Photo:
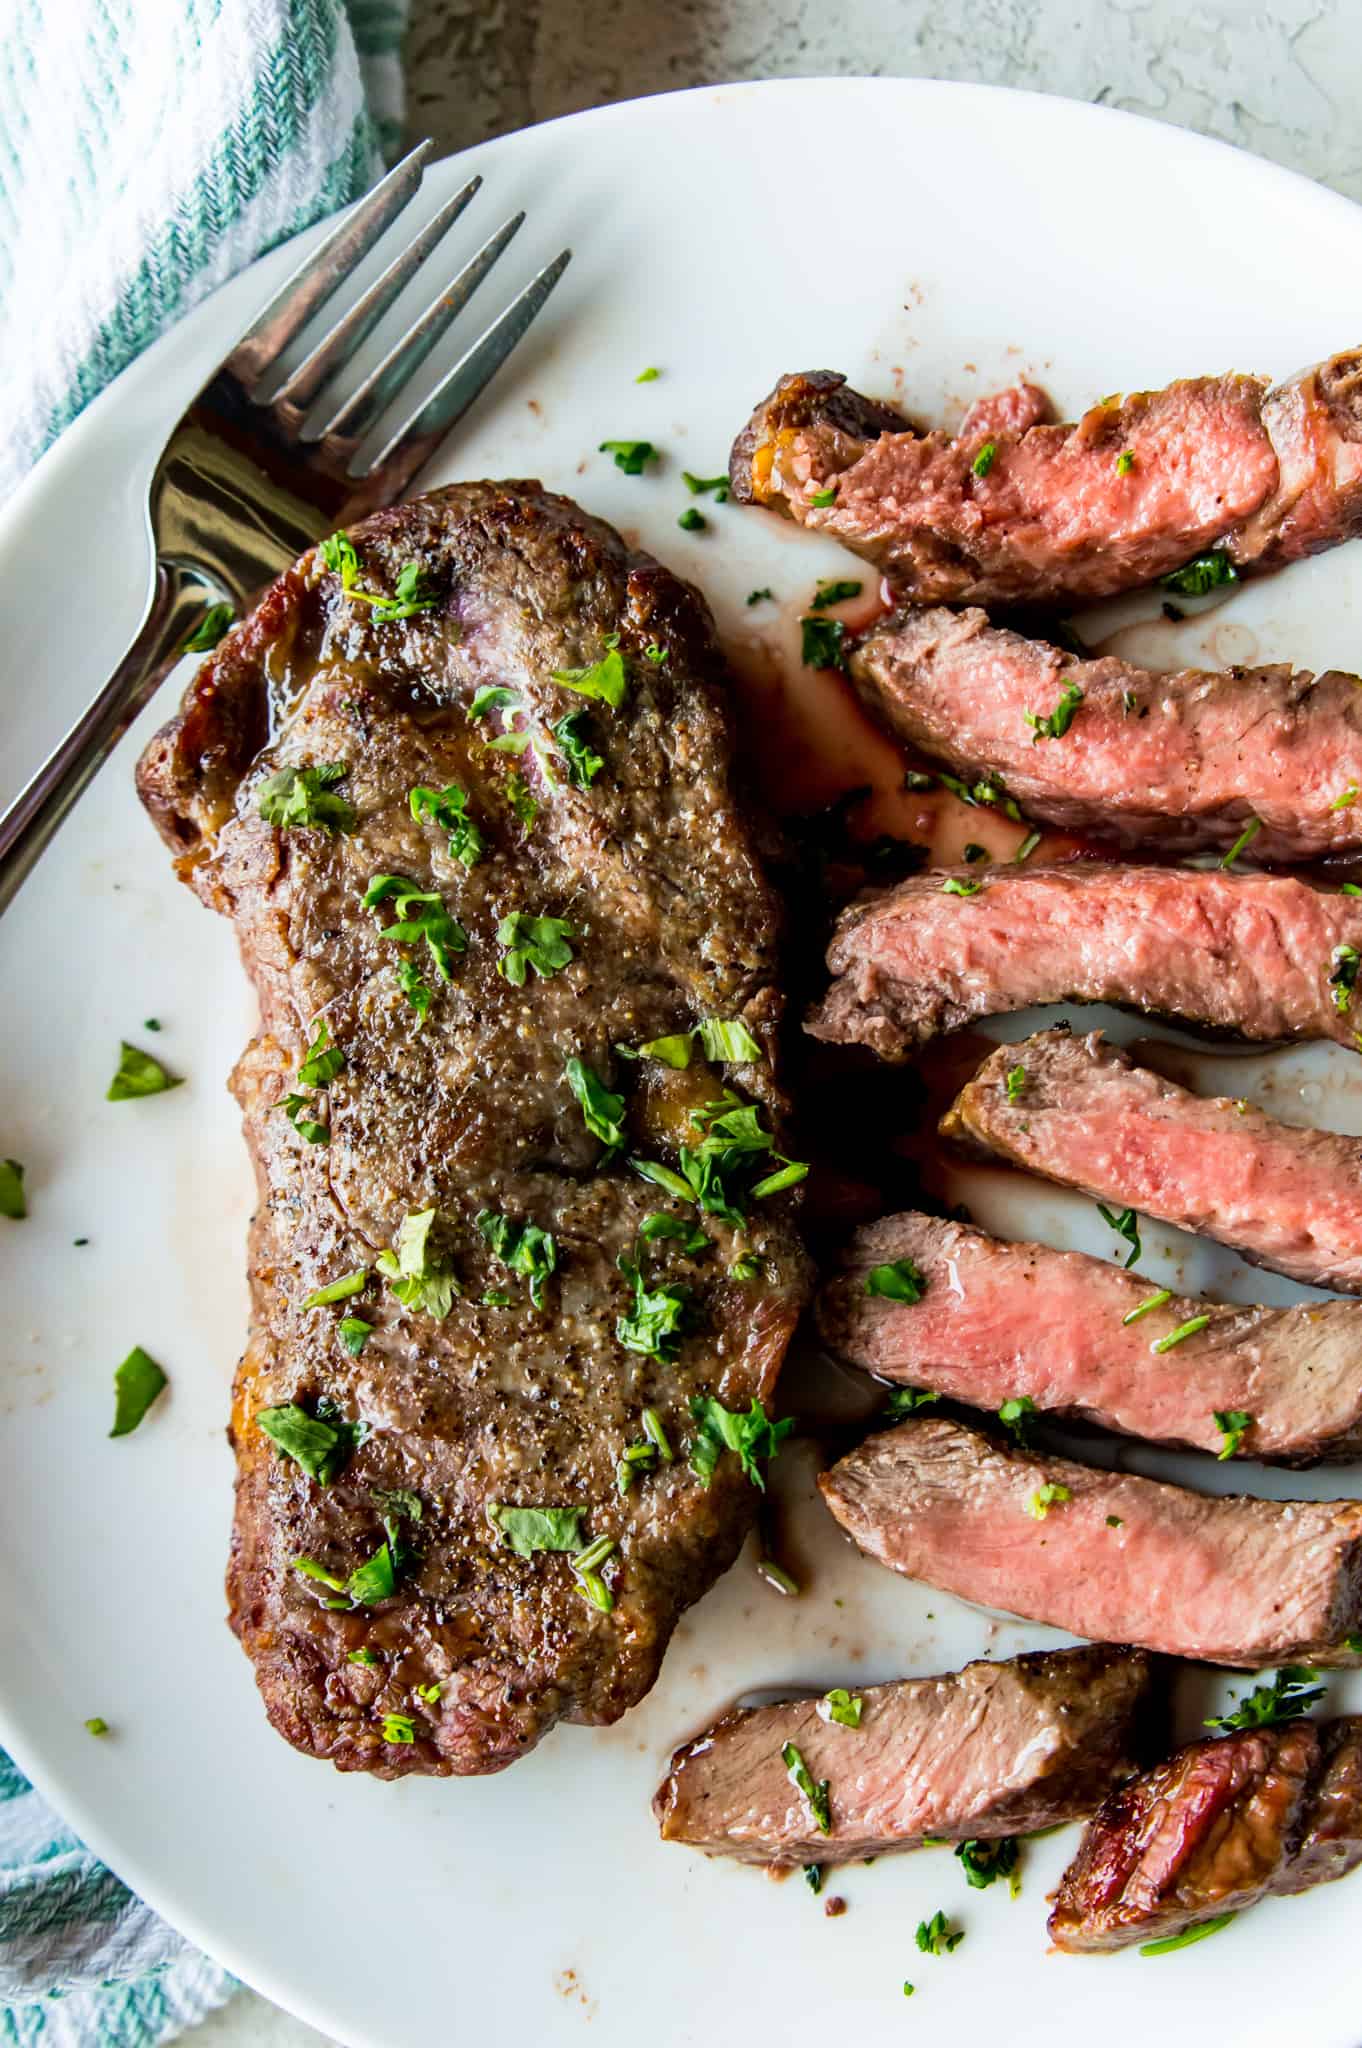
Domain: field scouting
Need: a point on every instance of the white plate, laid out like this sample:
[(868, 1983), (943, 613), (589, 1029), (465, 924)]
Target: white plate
[(940, 238)]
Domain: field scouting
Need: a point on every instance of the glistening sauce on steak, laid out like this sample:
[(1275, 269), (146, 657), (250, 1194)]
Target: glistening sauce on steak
[(460, 948)]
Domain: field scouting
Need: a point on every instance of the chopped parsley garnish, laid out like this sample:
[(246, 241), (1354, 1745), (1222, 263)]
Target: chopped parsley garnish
[(822, 498), (298, 1109), (1126, 1224), (1187, 1937), (365, 1657), (1183, 1330), (537, 942), (1125, 462), (954, 886), (137, 1382), (732, 1139), (430, 1693), (692, 521), (586, 1568), (1245, 839), (339, 1290), (606, 680), (689, 1236), (973, 851), (601, 1110), (323, 1060), (493, 697), (747, 1266), (526, 1530), (96, 1725), (1150, 1301), (935, 1937), (582, 762), (655, 653), (1346, 800), (419, 1280), (987, 794), (412, 594), (752, 1437), (834, 591), (813, 1877), (647, 376), (1202, 573), (654, 1325), (1233, 1424), (1343, 965), (821, 643), (1291, 1693), (898, 1280), (727, 1040), (815, 1795), (420, 915), (1026, 849), (1016, 1083), (415, 988), (354, 1333), (307, 796), (761, 596), (983, 461), (1115, 1522), (643, 1457), (985, 1862), (630, 456), (398, 1728), (1051, 1495), (905, 1400), (1054, 724), (448, 808), (12, 1203), (522, 800), (1013, 1415), (321, 1445), (522, 1247), (209, 630), (698, 485), (139, 1074), (673, 1051), (841, 1706)]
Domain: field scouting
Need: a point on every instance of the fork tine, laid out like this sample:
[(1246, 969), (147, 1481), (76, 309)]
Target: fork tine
[(336, 348), (313, 282), (363, 407), (414, 440)]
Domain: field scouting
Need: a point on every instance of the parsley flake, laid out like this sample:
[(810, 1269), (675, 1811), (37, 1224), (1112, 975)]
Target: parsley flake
[(522, 1247), (1233, 1424), (898, 1280), (751, 1436), (294, 797), (1289, 1694), (137, 1382), (841, 1706), (138, 1074), (606, 679), (1202, 573), (537, 942), (12, 1203), (821, 642), (1126, 1224), (416, 1277), (209, 630), (815, 1795), (936, 1937), (983, 461), (836, 591), (448, 809), (526, 1530), (1054, 724), (601, 1110), (1045, 1497), (630, 456), (985, 1862)]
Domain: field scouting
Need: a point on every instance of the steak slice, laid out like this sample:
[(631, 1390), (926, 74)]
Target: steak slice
[(998, 1321), (1209, 1832), (1181, 761), (993, 1750), (1083, 1114), (1221, 1825), (452, 1098), (1014, 511), (1109, 1556), (1243, 952)]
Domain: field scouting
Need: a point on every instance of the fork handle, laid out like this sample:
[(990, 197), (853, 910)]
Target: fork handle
[(31, 820)]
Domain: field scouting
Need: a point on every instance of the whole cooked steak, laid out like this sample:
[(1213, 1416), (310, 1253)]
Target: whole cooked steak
[(522, 1275)]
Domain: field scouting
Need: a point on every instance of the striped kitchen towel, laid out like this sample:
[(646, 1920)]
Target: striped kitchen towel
[(149, 149), (84, 1964)]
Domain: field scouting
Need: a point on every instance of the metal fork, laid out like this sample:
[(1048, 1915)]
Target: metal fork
[(248, 479)]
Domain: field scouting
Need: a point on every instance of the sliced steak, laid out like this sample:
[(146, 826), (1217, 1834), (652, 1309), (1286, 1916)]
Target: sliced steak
[(506, 1390), (1080, 1112), (993, 1750), (998, 1321), (1208, 1832), (1015, 511), (1107, 1555), (1181, 762), (1243, 952), (1221, 1825)]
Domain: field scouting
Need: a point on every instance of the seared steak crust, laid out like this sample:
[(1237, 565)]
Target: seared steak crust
[(1084, 1115), (1014, 511), (999, 1320), (1180, 761), (1243, 952), (1221, 1825), (995, 1749), (652, 866), (1107, 1555)]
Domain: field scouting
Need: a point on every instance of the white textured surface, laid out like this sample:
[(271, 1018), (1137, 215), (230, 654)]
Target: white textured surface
[(1283, 79)]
